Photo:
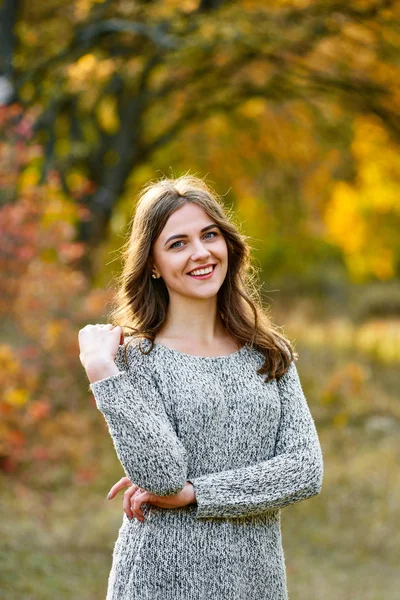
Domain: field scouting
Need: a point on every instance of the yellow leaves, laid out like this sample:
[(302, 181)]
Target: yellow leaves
[(352, 213), (317, 184), (251, 208), (30, 177), (53, 334), (26, 34), (17, 385), (253, 108), (343, 220), (83, 68), (49, 255), (59, 215), (16, 396), (379, 166), (383, 264), (89, 68), (368, 135), (107, 114), (83, 7), (76, 181), (358, 32), (217, 125), (280, 3), (8, 362)]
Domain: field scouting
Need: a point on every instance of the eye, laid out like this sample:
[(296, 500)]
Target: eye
[(172, 245), (180, 241), (212, 232)]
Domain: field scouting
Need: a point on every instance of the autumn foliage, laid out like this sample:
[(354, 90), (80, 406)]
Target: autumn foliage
[(45, 424)]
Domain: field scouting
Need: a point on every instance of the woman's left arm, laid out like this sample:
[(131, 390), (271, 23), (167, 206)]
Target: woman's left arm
[(295, 473)]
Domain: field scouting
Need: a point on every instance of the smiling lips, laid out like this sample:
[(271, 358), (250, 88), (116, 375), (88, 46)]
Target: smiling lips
[(202, 273)]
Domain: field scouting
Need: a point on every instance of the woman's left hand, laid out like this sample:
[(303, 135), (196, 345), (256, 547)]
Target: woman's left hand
[(134, 497)]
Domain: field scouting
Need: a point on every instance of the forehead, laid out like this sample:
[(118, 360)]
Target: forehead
[(186, 219)]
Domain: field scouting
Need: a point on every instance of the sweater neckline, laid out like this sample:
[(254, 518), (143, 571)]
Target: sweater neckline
[(166, 349)]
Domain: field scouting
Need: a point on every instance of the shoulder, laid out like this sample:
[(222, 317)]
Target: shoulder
[(132, 356), (289, 384), (291, 368)]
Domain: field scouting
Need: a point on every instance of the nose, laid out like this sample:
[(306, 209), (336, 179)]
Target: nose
[(200, 252)]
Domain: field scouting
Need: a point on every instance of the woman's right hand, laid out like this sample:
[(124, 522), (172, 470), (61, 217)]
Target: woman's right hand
[(98, 348), (99, 343)]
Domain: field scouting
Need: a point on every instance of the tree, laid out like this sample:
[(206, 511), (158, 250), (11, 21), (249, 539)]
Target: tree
[(129, 77)]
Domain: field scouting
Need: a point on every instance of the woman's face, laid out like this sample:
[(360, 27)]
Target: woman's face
[(189, 250)]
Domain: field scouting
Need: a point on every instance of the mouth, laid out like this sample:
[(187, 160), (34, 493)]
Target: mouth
[(205, 276)]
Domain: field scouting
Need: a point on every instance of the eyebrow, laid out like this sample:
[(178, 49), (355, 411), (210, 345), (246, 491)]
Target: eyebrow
[(185, 235)]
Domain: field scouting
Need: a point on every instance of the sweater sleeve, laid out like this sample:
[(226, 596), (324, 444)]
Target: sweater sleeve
[(145, 441), (294, 473)]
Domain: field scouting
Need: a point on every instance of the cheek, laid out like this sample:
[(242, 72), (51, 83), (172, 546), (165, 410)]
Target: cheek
[(175, 269), (223, 253)]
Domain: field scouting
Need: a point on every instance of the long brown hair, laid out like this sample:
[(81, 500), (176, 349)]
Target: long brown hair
[(141, 302)]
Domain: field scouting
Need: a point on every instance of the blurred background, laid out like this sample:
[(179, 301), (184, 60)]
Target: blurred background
[(291, 109)]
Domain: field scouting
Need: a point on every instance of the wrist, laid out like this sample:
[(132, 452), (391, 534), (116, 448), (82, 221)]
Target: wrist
[(97, 369), (192, 493)]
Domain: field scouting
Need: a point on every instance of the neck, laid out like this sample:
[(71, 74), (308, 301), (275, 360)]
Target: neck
[(195, 320)]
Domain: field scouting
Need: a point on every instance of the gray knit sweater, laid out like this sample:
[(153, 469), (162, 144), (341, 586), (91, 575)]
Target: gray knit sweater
[(249, 448)]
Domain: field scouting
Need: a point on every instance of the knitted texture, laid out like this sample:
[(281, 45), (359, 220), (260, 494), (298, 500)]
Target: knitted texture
[(248, 447)]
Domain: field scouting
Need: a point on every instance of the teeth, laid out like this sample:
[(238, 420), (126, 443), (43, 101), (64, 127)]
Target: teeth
[(201, 271)]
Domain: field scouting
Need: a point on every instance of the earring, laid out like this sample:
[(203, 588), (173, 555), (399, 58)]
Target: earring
[(154, 276)]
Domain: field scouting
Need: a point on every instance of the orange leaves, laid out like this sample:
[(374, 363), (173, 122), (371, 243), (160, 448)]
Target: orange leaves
[(346, 393), (15, 392), (9, 364), (345, 382), (42, 300), (39, 409)]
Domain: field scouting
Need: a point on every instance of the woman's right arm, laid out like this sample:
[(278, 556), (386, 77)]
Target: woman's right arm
[(144, 438)]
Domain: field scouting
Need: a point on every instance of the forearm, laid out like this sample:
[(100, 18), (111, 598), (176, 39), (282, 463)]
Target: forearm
[(268, 485), (147, 446), (293, 474)]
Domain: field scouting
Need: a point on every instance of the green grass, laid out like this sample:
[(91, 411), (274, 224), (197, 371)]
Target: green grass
[(33, 573)]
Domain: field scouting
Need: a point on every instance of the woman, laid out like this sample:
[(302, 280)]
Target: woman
[(212, 449)]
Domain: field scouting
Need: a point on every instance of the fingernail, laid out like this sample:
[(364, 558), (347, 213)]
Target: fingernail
[(108, 495)]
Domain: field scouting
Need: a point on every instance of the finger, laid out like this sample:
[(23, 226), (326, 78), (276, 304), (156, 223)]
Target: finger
[(136, 507), (136, 504), (127, 500), (136, 512), (120, 485)]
